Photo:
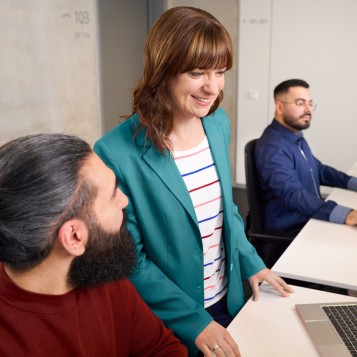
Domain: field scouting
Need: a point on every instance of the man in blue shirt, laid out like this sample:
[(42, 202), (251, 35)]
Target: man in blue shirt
[(289, 175)]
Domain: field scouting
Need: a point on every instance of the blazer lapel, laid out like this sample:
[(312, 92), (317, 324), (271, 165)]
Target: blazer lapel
[(166, 169)]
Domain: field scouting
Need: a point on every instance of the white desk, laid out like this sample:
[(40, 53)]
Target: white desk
[(324, 252), (271, 327)]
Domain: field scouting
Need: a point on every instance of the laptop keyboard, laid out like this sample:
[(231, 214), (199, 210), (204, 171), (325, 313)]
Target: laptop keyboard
[(344, 319)]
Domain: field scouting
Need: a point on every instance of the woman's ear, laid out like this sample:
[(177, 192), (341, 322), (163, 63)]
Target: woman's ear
[(73, 236)]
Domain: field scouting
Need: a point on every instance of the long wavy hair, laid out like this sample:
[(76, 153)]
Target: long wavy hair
[(181, 40)]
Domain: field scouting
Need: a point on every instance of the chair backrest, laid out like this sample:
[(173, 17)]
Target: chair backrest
[(278, 242), (255, 206)]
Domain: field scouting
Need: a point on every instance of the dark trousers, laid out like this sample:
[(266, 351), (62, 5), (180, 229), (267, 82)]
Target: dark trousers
[(219, 312)]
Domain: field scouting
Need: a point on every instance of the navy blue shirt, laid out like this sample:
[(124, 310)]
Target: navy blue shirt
[(290, 178)]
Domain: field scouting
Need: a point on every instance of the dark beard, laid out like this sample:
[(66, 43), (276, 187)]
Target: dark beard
[(108, 257), (295, 124)]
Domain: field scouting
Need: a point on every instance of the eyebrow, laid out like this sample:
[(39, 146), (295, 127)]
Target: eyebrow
[(306, 100), (116, 184)]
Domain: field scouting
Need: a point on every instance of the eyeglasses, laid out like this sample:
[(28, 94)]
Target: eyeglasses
[(302, 104)]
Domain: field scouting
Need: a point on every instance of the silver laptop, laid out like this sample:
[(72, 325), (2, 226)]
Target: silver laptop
[(332, 327)]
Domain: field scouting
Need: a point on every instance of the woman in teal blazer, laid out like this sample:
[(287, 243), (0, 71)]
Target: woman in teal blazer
[(160, 215)]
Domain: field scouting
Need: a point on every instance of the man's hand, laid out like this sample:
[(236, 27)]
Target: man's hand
[(216, 339), (351, 218), (275, 281)]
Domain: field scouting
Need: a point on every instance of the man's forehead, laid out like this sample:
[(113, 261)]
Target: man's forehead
[(97, 172), (299, 91)]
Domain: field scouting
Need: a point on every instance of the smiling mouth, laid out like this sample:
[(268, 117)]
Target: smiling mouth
[(202, 100)]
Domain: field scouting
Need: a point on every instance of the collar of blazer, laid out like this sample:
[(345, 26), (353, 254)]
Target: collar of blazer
[(167, 171)]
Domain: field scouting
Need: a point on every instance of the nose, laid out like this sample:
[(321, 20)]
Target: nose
[(308, 108), (213, 85), (123, 200)]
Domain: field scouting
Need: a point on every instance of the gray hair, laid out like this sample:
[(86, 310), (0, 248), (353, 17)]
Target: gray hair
[(40, 187)]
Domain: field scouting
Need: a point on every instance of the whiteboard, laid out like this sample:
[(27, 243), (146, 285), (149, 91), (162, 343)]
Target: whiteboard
[(49, 68), (315, 40)]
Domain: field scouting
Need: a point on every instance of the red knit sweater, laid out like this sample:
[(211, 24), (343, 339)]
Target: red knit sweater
[(110, 320)]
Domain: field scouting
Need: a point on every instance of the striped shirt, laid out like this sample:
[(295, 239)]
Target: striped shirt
[(199, 173)]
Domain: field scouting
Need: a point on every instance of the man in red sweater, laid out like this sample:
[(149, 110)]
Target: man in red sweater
[(66, 255)]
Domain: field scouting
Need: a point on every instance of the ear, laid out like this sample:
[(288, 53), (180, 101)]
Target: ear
[(279, 107), (73, 235)]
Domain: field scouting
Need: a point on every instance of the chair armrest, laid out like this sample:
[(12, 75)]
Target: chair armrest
[(269, 236)]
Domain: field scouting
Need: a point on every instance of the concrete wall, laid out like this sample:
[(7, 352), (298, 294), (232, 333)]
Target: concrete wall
[(122, 32)]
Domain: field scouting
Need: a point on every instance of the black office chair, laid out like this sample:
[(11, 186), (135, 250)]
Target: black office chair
[(268, 244)]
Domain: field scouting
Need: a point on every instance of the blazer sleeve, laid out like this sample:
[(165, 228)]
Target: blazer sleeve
[(250, 261)]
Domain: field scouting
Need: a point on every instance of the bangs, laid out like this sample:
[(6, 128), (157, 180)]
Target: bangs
[(211, 49)]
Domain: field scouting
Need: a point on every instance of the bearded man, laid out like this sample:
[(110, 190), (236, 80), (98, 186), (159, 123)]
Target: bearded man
[(289, 174), (66, 256)]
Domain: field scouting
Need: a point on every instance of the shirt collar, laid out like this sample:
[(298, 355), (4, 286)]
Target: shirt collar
[(286, 133)]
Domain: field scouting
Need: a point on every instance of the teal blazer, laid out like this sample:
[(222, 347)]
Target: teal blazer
[(163, 223)]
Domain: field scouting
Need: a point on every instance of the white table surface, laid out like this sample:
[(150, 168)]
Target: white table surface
[(271, 327), (324, 252)]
